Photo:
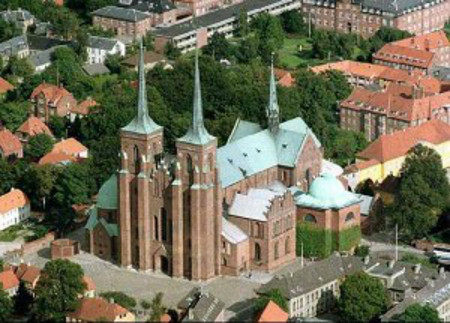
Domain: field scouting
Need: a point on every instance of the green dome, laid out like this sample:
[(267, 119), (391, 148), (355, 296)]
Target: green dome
[(107, 196)]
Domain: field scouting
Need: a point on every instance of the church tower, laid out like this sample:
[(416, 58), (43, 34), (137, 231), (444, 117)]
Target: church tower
[(273, 110), (197, 224), (141, 146)]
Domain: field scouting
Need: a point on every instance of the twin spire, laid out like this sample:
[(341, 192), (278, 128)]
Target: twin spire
[(197, 133)]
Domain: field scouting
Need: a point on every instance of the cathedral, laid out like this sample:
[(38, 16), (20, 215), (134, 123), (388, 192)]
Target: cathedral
[(206, 211)]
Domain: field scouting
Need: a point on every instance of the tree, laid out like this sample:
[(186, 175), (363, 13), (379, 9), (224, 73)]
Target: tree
[(418, 313), (157, 308), (362, 251), (243, 26), (270, 33), (13, 114), (6, 306), (423, 193), (58, 289), (120, 298), (218, 47), (38, 184), (362, 298), (23, 300), (38, 146), (171, 51), (274, 295), (112, 62), (19, 67), (386, 35), (293, 22), (58, 126), (8, 30), (344, 146), (7, 178)]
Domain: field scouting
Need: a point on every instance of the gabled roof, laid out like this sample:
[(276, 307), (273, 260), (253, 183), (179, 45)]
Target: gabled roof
[(9, 143), (232, 232), (34, 126), (56, 158), (5, 86), (203, 306), (13, 200), (397, 144), (121, 14), (69, 146), (27, 273), (404, 55), (95, 309), (426, 42), (51, 92), (262, 150), (84, 107), (102, 42), (8, 280), (273, 313)]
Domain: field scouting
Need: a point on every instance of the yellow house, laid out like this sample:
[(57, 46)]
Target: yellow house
[(385, 155)]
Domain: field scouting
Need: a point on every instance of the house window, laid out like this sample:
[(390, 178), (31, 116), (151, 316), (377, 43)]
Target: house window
[(310, 218), (349, 217)]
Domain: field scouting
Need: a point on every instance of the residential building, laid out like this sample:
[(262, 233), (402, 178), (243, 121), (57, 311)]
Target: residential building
[(5, 86), (98, 49), (9, 282), (151, 59), (272, 313), (314, 289), (365, 17), (14, 208), (10, 145), (364, 74), (60, 159), (23, 19), (123, 21), (50, 100), (377, 113), (28, 274), (17, 46), (64, 152), (41, 60), (435, 294), (330, 207), (82, 109), (163, 12), (99, 309), (435, 42), (173, 223), (385, 156), (31, 127), (186, 36), (201, 306)]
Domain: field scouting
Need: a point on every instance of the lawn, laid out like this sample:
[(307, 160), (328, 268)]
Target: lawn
[(291, 56), (11, 233)]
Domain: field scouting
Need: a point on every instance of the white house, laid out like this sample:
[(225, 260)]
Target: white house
[(99, 48), (14, 208)]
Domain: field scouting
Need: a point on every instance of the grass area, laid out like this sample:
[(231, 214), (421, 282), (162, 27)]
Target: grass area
[(291, 57), (11, 233), (415, 259)]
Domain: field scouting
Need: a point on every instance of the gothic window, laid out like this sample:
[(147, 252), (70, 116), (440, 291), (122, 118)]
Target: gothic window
[(211, 162), (349, 217), (156, 227), (276, 253), (190, 169), (310, 218), (224, 261), (257, 252), (164, 224), (136, 159), (287, 245)]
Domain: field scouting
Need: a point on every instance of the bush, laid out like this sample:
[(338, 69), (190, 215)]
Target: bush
[(316, 242), (145, 305), (120, 298), (362, 251)]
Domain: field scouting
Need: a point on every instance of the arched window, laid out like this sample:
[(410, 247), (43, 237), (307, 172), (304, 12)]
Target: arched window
[(276, 253), (257, 252), (136, 159), (349, 217), (190, 169), (224, 261), (287, 245), (310, 218), (211, 162), (156, 227)]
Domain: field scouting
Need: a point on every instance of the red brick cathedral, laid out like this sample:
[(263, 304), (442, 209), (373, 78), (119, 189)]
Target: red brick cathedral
[(206, 211)]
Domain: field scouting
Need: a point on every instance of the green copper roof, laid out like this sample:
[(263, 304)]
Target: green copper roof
[(142, 123), (261, 150), (273, 111), (326, 192), (107, 196), (243, 129), (197, 133), (93, 220), (111, 228)]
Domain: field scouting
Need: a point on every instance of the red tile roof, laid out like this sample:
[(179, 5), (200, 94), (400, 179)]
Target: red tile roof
[(8, 280), (397, 144), (31, 274), (69, 146), (34, 126), (404, 55), (93, 309), (51, 92), (5, 86), (84, 107), (90, 285), (284, 77), (13, 200), (54, 158), (425, 42), (9, 143), (273, 313)]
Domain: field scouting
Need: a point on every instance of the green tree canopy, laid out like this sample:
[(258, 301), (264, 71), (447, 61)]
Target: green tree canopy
[(120, 298), (423, 193), (218, 47), (58, 289), (8, 30), (418, 313), (157, 308), (6, 306), (362, 298), (13, 114), (23, 300), (293, 22), (38, 146)]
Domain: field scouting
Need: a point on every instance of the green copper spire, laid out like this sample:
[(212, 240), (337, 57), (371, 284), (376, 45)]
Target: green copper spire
[(272, 110), (142, 123), (197, 133)]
